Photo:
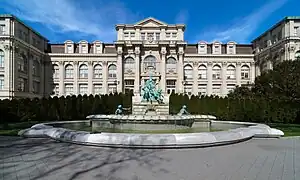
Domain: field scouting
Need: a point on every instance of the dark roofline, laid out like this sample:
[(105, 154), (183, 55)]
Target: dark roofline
[(20, 21), (276, 25)]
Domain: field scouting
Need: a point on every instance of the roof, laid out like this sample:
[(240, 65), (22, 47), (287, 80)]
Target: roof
[(20, 21), (277, 24)]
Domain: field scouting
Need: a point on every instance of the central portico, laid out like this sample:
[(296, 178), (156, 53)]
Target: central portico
[(145, 48)]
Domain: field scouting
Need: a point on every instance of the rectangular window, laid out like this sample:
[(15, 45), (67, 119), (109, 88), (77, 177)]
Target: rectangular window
[(84, 48), (83, 89), (296, 31), (157, 36), (188, 89), (132, 35), (56, 89), (36, 87), (1, 82), (22, 84), (230, 87), (216, 89), (126, 35), (129, 85), (2, 29), (98, 49), (97, 88), (68, 89), (1, 59), (202, 89), (174, 35), (171, 86), (112, 88), (168, 35), (217, 49), (69, 48), (142, 36)]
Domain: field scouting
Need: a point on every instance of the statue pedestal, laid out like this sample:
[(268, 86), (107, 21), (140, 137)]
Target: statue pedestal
[(146, 108)]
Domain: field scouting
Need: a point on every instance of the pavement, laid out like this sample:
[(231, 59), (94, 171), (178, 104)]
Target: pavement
[(256, 159)]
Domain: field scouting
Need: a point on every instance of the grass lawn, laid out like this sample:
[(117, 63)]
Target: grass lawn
[(12, 129), (288, 129)]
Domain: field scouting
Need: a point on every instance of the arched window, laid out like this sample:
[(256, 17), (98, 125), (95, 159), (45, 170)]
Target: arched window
[(202, 72), (188, 72), (171, 64), (230, 72), (129, 64), (55, 71), (83, 71), (216, 72), (297, 55), (1, 59), (69, 71), (97, 71), (112, 71), (1, 82), (150, 63), (245, 72)]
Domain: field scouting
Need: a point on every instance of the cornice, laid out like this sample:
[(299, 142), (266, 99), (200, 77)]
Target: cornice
[(80, 55), (219, 55)]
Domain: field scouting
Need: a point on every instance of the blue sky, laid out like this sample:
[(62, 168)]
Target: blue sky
[(235, 20)]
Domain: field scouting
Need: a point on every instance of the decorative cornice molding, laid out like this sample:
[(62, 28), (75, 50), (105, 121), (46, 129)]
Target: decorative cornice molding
[(81, 55)]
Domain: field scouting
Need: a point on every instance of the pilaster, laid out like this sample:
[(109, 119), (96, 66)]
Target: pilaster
[(61, 78), (224, 78), (90, 77), (163, 52), (252, 71), (105, 74), (209, 78), (238, 73), (120, 69), (30, 79), (195, 78), (75, 78), (137, 71), (180, 70)]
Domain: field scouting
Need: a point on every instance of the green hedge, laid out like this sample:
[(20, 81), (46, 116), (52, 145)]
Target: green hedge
[(257, 109), (62, 108)]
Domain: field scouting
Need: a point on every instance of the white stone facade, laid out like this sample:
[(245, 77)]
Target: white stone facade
[(34, 68), (281, 42)]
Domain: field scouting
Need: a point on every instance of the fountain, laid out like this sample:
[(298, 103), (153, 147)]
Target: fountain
[(151, 113)]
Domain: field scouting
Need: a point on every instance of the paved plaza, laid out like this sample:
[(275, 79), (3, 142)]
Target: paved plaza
[(261, 159)]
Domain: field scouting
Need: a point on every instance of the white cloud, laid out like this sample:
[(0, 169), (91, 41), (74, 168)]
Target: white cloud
[(182, 17), (95, 18), (243, 27)]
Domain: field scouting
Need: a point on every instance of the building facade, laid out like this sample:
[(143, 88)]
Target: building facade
[(150, 47), (280, 42), (32, 67), (22, 60)]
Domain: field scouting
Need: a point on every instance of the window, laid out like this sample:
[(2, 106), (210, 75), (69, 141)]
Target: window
[(132, 35), (296, 31), (84, 48), (97, 88), (69, 71), (36, 68), (230, 49), (112, 71), (174, 35), (230, 87), (202, 72), (216, 72), (150, 63), (97, 71), (216, 89), (22, 61), (56, 89), (2, 29), (69, 48), (83, 71), (22, 84), (129, 64), (245, 72), (112, 88), (168, 35), (68, 89), (98, 49), (230, 73), (202, 48), (202, 89), (188, 89), (157, 36), (126, 35), (171, 65), (36, 87), (83, 89), (129, 85), (171, 86), (1, 59), (143, 36), (55, 71), (188, 72), (217, 49), (1, 82)]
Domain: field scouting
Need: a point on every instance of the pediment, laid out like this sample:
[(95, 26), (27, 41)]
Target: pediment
[(150, 22)]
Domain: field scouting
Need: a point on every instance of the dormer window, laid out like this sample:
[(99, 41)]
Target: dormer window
[(97, 47), (202, 47), (84, 48), (69, 48), (231, 48)]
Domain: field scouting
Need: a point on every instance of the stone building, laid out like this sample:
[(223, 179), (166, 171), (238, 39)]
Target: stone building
[(32, 67), (280, 42)]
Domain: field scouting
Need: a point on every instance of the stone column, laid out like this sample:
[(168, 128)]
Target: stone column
[(90, 77), (75, 78), (224, 78), (30, 79), (163, 52), (137, 79), (180, 71), (61, 78), (209, 78), (195, 78), (238, 73), (252, 71), (120, 70), (104, 76)]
